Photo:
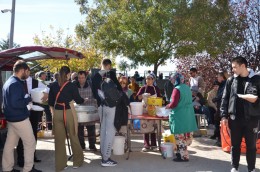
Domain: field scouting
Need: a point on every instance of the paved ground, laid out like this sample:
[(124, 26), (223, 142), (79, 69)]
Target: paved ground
[(204, 157)]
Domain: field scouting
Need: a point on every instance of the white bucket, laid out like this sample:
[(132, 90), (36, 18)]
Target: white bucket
[(167, 150), (119, 145), (136, 108)]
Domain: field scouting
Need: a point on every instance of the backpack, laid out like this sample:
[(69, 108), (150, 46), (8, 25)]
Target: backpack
[(109, 94)]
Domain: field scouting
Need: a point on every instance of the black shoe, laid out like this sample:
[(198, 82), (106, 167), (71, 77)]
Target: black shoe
[(213, 137), (218, 143), (37, 160), (180, 160), (35, 170), (93, 148), (20, 163)]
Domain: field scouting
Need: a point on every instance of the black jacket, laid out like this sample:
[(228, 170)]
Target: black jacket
[(228, 104), (121, 115), (96, 83)]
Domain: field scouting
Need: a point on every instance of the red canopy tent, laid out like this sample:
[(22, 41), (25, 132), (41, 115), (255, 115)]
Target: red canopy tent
[(31, 53)]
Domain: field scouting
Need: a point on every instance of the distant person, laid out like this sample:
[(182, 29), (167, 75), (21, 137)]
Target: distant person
[(211, 95), (133, 86), (168, 88), (199, 104), (196, 80), (15, 101), (42, 78), (182, 118), (136, 75), (242, 115), (161, 76), (222, 83)]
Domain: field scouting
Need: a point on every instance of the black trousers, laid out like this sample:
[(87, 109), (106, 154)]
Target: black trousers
[(34, 119), (91, 136), (240, 129)]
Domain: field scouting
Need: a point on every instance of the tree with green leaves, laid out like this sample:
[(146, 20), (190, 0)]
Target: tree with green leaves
[(150, 32)]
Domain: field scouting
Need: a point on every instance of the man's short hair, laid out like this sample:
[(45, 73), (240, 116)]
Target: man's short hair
[(193, 69), (20, 64), (106, 62), (41, 73), (82, 73), (240, 60)]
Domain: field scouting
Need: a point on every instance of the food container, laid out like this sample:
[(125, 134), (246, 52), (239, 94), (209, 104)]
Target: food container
[(136, 108), (86, 113), (37, 94), (152, 102), (162, 112)]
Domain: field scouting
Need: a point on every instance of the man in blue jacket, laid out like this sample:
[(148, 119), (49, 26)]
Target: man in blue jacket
[(15, 101)]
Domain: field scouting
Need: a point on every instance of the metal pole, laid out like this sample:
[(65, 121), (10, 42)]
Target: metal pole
[(11, 39)]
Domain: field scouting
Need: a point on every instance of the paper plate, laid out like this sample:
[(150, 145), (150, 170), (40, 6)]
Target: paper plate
[(246, 96), (37, 108)]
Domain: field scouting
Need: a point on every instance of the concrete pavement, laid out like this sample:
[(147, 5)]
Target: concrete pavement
[(204, 157)]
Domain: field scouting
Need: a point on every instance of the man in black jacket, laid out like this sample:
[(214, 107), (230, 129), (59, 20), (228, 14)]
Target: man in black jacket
[(241, 112)]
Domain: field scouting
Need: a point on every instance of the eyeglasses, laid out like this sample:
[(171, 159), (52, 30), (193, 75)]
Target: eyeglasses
[(149, 78)]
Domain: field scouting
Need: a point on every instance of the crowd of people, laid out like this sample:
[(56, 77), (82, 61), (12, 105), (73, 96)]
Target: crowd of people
[(219, 105)]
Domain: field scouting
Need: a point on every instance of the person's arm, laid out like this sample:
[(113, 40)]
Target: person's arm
[(75, 93), (225, 99), (140, 92), (209, 99), (51, 99), (201, 84), (17, 99), (175, 99)]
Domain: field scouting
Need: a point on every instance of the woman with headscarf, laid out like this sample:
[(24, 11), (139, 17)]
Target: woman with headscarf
[(64, 121), (182, 117), (153, 91)]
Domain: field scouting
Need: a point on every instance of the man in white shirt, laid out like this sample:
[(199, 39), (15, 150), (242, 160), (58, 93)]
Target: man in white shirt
[(197, 81)]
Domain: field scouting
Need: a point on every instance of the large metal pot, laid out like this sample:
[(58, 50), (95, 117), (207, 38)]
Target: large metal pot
[(86, 113)]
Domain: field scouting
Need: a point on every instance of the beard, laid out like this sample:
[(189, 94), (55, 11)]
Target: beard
[(24, 76)]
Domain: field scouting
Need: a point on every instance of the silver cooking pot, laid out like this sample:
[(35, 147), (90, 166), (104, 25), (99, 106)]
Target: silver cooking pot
[(86, 113)]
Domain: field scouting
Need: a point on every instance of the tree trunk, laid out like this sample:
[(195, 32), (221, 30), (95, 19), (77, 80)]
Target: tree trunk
[(155, 68)]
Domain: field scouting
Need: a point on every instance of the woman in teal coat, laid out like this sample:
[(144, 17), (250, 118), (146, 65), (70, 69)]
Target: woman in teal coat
[(182, 117)]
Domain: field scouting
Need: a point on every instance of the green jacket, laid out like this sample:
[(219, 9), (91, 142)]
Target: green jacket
[(182, 117)]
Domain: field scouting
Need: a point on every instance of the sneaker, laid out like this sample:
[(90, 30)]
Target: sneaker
[(145, 149), (154, 148), (234, 170), (251, 170), (93, 148), (213, 137), (108, 163), (218, 143)]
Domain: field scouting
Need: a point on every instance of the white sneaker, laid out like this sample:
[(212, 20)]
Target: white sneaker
[(252, 170), (234, 170)]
